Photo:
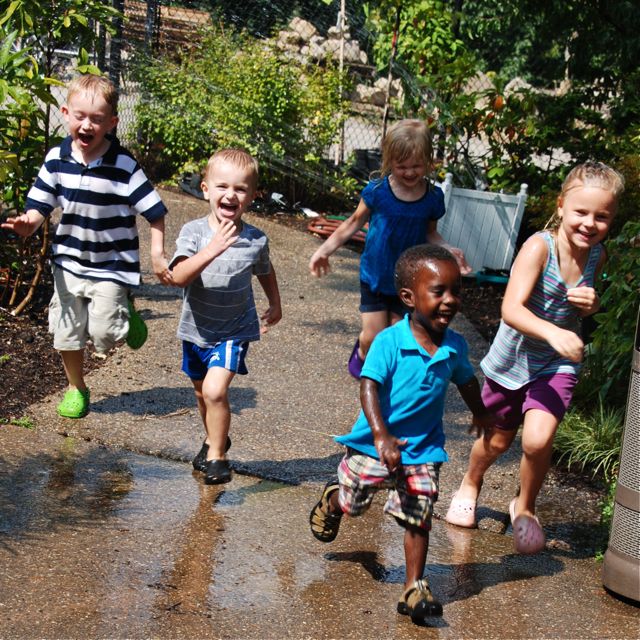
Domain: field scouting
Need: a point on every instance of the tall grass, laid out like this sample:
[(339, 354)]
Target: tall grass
[(591, 441)]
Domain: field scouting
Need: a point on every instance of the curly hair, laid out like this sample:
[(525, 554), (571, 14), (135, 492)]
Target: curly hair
[(412, 260)]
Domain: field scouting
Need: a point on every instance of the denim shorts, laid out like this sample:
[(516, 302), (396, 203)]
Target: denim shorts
[(230, 354), (549, 393), (413, 488), (371, 301)]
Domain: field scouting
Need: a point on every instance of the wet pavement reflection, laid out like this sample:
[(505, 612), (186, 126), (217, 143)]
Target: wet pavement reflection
[(99, 543)]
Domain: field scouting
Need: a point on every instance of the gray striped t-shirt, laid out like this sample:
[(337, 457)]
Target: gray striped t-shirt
[(219, 305)]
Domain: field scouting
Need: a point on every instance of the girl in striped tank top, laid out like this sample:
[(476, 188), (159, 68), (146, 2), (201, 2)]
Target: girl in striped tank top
[(532, 366)]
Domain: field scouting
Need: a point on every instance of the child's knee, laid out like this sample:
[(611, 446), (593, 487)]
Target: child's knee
[(497, 442), (537, 446), (214, 392)]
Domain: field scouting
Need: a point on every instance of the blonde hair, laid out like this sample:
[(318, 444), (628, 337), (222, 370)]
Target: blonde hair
[(405, 139), (95, 85), (238, 157), (588, 174)]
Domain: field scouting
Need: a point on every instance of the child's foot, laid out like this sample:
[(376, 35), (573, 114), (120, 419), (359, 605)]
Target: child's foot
[(528, 536), (200, 461), (418, 602), (218, 472), (462, 512), (138, 331), (75, 404), (324, 523)]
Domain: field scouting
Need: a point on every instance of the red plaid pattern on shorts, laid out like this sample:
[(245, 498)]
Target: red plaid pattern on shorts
[(413, 488)]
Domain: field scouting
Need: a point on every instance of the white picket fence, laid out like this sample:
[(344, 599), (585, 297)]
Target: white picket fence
[(483, 224)]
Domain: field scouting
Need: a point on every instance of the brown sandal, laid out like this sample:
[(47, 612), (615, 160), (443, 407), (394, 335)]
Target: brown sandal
[(324, 524)]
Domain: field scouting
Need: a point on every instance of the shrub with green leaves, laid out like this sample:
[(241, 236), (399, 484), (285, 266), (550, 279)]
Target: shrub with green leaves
[(234, 90), (591, 441), (607, 366)]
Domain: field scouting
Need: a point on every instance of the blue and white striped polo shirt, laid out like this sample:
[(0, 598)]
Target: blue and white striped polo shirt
[(97, 237)]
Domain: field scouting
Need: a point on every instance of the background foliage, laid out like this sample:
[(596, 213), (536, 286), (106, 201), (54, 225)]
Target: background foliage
[(234, 90), (516, 91)]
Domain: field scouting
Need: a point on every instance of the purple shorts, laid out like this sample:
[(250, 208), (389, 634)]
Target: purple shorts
[(550, 393)]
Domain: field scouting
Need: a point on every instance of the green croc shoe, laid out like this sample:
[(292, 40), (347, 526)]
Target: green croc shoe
[(138, 331), (75, 404)]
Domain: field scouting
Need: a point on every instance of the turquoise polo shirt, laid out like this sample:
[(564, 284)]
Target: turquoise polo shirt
[(412, 389)]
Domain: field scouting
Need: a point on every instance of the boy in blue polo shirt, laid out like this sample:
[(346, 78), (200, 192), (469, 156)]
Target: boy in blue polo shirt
[(101, 189), (397, 442)]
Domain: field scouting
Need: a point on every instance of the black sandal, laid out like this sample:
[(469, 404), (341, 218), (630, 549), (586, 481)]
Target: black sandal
[(324, 524)]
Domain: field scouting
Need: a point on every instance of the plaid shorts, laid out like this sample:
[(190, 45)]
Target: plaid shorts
[(413, 488)]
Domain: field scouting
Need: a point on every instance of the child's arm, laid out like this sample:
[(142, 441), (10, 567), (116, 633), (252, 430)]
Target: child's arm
[(386, 444), (186, 269), (319, 263), (586, 299), (269, 284), (26, 224), (433, 237), (159, 261), (482, 420), (525, 272)]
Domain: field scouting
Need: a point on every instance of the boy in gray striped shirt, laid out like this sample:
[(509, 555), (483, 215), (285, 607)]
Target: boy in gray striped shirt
[(215, 260), (101, 189)]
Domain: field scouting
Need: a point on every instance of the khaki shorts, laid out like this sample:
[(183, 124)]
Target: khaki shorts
[(82, 310)]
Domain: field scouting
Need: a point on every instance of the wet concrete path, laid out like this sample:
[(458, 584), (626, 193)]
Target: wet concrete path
[(106, 532)]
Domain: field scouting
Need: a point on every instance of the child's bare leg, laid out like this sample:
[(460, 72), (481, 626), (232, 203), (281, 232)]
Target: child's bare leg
[(217, 413), (73, 363), (373, 322), (484, 452), (202, 409), (537, 446), (416, 545)]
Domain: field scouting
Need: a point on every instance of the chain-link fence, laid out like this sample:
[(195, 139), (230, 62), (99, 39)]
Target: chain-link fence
[(334, 30)]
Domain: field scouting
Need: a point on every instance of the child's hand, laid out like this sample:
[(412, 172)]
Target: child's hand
[(388, 451), (585, 299), (567, 344), (319, 265), (24, 225), (483, 423), (160, 267), (271, 316), (463, 265), (224, 237)]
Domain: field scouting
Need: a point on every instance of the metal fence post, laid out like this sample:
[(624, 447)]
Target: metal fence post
[(115, 50)]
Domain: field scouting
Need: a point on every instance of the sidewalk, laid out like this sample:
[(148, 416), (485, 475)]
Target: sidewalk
[(106, 533)]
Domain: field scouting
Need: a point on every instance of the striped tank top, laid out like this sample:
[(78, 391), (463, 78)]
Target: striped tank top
[(515, 359)]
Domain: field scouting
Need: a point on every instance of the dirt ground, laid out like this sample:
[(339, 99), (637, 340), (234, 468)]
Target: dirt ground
[(25, 342)]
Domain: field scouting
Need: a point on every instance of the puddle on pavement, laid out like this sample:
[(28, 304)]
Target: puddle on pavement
[(102, 543)]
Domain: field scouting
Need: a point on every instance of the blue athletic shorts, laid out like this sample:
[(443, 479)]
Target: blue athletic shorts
[(372, 301), (196, 361)]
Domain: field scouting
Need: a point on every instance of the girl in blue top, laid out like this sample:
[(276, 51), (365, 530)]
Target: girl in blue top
[(532, 366), (402, 208)]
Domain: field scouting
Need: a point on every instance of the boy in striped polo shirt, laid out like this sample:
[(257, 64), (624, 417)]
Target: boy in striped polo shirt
[(215, 260), (100, 188)]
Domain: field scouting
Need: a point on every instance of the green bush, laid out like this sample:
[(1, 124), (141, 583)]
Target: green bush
[(234, 90), (607, 366), (591, 441)]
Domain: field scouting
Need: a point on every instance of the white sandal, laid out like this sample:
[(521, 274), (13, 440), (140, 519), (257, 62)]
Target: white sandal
[(462, 512)]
